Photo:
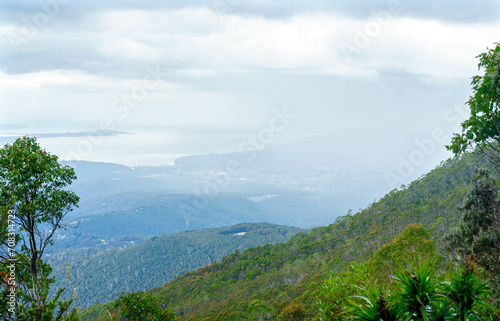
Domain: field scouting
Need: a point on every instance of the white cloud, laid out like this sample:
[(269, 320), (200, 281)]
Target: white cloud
[(200, 39), (120, 43), (431, 48)]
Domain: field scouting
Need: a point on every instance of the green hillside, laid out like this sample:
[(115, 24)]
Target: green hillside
[(279, 274), (102, 277)]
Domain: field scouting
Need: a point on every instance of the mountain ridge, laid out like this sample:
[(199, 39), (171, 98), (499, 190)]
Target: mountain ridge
[(282, 273)]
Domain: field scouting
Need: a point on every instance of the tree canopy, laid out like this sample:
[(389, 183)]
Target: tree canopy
[(481, 131), (142, 306), (33, 194), (478, 234)]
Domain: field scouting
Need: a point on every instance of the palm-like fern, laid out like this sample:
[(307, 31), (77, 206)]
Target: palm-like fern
[(374, 305)]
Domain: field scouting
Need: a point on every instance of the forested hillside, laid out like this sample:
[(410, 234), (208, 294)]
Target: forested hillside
[(101, 277), (287, 273), (128, 218)]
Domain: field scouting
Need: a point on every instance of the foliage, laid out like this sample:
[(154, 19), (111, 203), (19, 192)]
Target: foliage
[(418, 292), (481, 130), (259, 310), (334, 292), (295, 311), (373, 299), (54, 309), (466, 291), (373, 304), (405, 249), (32, 194), (143, 306), (478, 234)]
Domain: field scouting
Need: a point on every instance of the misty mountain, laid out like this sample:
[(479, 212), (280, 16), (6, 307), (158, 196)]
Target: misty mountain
[(299, 184)]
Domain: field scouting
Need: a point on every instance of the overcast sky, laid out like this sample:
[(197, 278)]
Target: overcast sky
[(190, 77)]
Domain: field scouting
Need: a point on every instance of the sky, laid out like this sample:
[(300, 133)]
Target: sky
[(145, 82)]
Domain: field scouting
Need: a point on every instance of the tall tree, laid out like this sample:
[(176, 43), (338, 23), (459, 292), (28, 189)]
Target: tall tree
[(32, 189), (481, 132), (478, 234)]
